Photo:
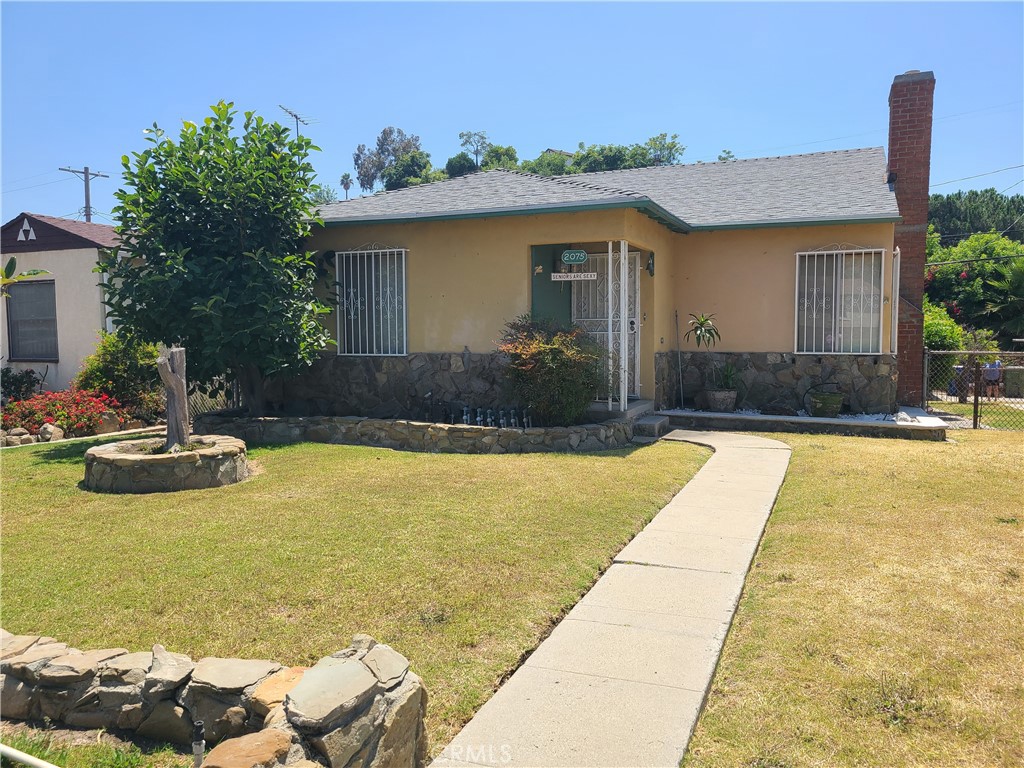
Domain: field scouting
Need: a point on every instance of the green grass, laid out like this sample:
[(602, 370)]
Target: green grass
[(462, 563), (994, 414), (882, 623), (98, 755)]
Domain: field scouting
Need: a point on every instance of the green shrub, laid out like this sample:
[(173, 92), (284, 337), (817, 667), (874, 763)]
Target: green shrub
[(554, 371), (123, 368), (18, 385), (941, 331)]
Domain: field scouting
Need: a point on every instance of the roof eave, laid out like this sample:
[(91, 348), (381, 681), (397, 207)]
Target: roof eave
[(645, 205), (881, 218)]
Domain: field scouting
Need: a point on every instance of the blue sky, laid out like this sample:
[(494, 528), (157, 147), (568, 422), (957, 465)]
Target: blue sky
[(82, 80)]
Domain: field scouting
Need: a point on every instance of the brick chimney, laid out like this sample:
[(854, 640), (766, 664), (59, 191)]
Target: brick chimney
[(910, 151)]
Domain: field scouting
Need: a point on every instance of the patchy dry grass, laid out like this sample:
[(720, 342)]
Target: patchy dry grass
[(883, 621), (462, 563)]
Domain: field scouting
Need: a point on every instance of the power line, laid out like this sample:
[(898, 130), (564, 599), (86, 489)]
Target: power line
[(29, 178), (44, 184), (976, 176), (1012, 186), (1012, 225)]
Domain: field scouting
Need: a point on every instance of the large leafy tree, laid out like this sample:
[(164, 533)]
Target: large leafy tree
[(1006, 299), (550, 162), (392, 143), (958, 215), (459, 165), (410, 170), (212, 228), (498, 156), (475, 143)]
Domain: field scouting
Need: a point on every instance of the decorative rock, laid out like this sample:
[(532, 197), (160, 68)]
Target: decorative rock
[(404, 741), (51, 432), (17, 432), (387, 665), (167, 722), (109, 422), (26, 665), (339, 745), (15, 698), (231, 674), (129, 669), (75, 666), (272, 691), (255, 750), (330, 690), (15, 645), (363, 642), (169, 670)]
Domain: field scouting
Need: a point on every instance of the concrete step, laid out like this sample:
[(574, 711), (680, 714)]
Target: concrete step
[(651, 426)]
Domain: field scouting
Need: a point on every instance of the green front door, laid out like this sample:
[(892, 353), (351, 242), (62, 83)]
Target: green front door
[(550, 300)]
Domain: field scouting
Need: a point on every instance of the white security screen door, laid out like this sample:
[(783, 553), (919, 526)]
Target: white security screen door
[(597, 308)]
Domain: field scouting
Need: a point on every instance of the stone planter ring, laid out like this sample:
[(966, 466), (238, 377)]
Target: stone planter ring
[(133, 467)]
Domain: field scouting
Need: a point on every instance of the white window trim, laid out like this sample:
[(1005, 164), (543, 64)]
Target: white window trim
[(374, 250), (840, 250)]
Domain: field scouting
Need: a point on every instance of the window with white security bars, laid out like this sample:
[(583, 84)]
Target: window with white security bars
[(839, 301), (371, 301)]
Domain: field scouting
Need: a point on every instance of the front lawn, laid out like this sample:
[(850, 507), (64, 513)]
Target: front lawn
[(882, 623), (462, 563)]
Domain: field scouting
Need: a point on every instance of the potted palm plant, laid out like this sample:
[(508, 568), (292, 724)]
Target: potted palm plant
[(721, 397)]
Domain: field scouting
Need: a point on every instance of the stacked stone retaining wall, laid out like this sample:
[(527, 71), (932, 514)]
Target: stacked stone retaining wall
[(393, 387), (418, 436), (359, 707), (777, 382)]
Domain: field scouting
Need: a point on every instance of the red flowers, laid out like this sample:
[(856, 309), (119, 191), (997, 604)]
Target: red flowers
[(75, 411), (963, 275)]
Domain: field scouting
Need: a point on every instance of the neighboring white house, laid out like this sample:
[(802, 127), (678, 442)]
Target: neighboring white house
[(52, 322)]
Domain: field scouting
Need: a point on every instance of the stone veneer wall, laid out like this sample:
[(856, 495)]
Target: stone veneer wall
[(392, 387), (418, 436), (776, 382), (358, 707)]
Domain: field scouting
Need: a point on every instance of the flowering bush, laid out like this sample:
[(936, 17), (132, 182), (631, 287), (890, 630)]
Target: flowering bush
[(75, 411)]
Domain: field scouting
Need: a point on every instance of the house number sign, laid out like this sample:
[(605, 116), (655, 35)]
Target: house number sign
[(574, 257)]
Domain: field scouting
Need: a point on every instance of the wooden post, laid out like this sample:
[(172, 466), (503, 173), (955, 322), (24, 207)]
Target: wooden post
[(171, 365)]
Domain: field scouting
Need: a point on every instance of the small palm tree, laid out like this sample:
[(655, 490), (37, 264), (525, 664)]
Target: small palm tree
[(1007, 304), (346, 183)]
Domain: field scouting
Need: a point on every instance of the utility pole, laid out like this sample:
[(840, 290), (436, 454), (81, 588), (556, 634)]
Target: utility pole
[(296, 115), (86, 176)]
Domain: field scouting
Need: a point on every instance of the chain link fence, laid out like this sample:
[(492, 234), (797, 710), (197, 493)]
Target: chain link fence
[(975, 389)]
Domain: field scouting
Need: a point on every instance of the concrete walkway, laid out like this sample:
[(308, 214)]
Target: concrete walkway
[(621, 680)]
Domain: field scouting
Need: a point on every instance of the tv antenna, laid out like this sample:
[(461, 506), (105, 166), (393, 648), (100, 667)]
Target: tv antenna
[(296, 117)]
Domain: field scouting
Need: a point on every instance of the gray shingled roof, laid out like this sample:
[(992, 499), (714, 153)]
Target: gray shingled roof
[(848, 185)]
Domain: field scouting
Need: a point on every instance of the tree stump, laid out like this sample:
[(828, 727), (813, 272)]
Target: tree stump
[(171, 365)]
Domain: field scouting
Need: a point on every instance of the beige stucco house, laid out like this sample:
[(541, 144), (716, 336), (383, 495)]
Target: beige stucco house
[(51, 323), (812, 265)]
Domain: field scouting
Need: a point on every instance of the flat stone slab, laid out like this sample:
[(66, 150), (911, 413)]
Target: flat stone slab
[(272, 691), (264, 749), (622, 679), (231, 675), (329, 690), (76, 666)]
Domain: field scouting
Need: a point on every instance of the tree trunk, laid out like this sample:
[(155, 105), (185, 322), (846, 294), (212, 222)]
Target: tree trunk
[(171, 365), (253, 395)]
